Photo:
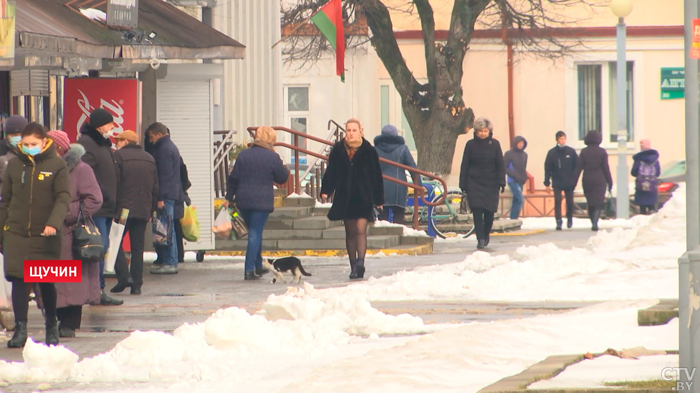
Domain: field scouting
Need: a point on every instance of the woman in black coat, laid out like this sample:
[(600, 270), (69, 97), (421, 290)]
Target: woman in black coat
[(354, 175), (593, 161), (481, 176)]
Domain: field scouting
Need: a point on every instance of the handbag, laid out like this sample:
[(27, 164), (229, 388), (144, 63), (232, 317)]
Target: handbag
[(87, 240), (238, 224), (162, 228)]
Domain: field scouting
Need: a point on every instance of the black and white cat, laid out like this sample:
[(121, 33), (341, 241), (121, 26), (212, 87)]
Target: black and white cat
[(283, 265)]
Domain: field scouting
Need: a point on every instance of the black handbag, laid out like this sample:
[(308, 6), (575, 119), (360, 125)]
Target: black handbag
[(87, 240)]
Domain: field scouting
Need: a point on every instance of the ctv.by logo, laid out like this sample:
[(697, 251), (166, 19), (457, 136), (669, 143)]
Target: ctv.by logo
[(673, 374)]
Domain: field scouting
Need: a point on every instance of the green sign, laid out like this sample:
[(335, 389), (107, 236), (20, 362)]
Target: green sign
[(672, 83)]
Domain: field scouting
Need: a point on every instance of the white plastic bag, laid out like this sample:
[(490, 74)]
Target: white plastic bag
[(5, 289), (116, 233), (222, 225)]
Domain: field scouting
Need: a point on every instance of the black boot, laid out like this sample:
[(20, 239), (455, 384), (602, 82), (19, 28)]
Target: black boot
[(480, 244), (487, 239), (251, 276), (569, 222), (353, 270), (136, 289), (559, 222), (360, 268), (121, 286), (65, 331), (106, 300), (52, 331), (19, 338), (595, 215)]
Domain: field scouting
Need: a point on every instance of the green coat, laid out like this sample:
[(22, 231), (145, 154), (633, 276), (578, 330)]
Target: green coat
[(35, 194)]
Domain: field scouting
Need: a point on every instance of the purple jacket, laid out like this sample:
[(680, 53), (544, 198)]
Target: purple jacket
[(85, 189)]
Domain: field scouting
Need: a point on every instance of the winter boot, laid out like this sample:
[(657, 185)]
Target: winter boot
[(487, 239), (559, 222), (52, 331), (19, 338), (360, 268), (136, 289), (595, 215), (121, 286), (480, 244), (250, 276), (353, 270), (106, 300), (569, 222)]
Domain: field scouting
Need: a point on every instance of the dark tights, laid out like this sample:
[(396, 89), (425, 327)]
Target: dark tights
[(20, 299), (483, 221), (356, 238)]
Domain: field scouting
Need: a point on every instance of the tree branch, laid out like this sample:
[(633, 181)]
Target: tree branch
[(427, 19)]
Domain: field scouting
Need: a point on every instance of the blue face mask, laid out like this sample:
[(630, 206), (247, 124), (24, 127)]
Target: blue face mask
[(32, 151), (14, 140)]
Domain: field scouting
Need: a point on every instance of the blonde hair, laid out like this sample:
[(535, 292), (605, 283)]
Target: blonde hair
[(353, 120), (266, 134)]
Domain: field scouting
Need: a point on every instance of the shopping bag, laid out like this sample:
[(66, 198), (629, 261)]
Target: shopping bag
[(238, 224), (116, 233), (162, 227), (222, 225), (5, 288), (190, 224)]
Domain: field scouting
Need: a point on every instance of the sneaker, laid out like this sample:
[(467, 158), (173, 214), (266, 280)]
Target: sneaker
[(164, 269)]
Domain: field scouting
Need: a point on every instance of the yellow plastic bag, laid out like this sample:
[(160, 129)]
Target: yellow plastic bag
[(190, 224)]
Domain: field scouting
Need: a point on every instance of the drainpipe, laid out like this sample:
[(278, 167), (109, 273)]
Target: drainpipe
[(509, 65)]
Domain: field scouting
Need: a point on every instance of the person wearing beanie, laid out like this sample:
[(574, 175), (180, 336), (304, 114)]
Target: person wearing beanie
[(251, 184), (138, 192), (85, 196), (167, 159), (12, 129), (515, 161), (391, 146), (94, 137), (559, 166), (646, 170)]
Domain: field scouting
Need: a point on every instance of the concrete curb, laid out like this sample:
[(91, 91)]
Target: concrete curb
[(659, 314), (523, 233), (419, 250)]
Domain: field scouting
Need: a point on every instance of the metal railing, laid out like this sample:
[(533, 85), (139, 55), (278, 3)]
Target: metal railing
[(297, 183), (222, 149)]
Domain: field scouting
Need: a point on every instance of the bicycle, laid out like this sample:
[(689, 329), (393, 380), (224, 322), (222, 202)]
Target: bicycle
[(431, 214)]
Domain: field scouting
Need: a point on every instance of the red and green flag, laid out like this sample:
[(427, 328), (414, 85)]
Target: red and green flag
[(329, 21)]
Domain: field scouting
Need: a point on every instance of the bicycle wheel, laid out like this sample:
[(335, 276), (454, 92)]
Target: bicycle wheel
[(433, 221)]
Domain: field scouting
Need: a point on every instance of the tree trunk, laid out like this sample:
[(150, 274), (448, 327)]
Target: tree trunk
[(436, 138)]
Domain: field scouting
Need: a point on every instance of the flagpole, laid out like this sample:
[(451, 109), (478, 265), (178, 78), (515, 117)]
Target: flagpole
[(292, 32)]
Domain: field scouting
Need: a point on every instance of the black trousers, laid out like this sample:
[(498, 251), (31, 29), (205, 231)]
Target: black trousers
[(399, 214), (70, 316), (647, 209), (569, 195), (483, 222), (178, 239), (137, 235), (20, 299)]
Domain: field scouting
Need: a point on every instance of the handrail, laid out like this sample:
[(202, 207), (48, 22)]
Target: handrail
[(315, 160), (413, 171)]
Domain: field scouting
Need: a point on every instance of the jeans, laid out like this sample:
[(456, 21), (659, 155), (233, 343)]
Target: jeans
[(569, 195), (518, 200), (255, 220), (168, 254), (104, 225), (137, 236)]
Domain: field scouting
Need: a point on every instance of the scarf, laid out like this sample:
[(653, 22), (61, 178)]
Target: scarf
[(263, 144), (351, 147)]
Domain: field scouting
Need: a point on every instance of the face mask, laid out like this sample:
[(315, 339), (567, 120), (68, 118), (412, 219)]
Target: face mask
[(32, 151), (108, 134), (14, 140)]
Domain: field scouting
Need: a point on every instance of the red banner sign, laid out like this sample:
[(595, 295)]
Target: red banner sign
[(695, 49), (81, 96), (53, 271)]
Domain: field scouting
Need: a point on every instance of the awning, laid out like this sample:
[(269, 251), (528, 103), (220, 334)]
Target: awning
[(57, 27)]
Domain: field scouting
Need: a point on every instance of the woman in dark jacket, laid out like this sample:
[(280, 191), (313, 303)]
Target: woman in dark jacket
[(597, 179), (35, 201), (251, 182), (85, 191), (646, 169), (391, 146), (354, 177), (482, 174)]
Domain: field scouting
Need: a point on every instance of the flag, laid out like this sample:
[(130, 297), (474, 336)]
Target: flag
[(329, 21)]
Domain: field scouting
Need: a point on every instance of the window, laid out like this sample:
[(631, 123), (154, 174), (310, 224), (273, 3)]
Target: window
[(597, 100), (391, 112), (297, 115)]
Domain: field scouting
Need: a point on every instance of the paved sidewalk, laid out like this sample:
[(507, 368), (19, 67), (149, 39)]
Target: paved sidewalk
[(201, 288)]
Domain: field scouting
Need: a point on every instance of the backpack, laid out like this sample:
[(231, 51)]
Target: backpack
[(646, 177)]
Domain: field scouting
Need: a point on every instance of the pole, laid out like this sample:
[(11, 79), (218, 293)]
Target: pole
[(623, 199), (689, 263)]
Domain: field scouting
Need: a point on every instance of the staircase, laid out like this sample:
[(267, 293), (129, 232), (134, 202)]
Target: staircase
[(299, 227)]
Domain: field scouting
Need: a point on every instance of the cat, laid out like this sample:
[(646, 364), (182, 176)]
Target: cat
[(286, 264)]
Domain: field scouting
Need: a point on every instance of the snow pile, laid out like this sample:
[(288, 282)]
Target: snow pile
[(302, 322), (94, 14), (407, 231), (321, 204), (302, 195)]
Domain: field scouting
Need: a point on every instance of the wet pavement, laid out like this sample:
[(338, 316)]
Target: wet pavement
[(202, 288)]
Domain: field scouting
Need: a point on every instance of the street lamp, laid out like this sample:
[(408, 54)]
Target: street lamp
[(622, 8)]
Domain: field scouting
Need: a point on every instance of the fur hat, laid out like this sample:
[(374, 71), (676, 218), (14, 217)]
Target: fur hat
[(100, 117), (15, 124), (128, 136), (389, 130), (60, 138)]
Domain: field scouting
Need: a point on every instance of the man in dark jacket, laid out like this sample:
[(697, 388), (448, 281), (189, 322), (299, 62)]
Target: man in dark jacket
[(515, 162), (560, 166), (167, 158), (138, 192), (12, 128), (94, 136)]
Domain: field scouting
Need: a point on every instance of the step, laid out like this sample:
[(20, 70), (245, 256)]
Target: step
[(339, 232), (373, 242), (321, 210), (416, 240), (288, 212), (305, 201), (314, 222), (286, 234)]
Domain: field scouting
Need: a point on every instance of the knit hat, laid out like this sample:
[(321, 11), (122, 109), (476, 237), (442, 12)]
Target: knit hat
[(560, 134), (266, 134), (60, 138), (389, 130), (127, 135), (645, 144), (100, 117), (15, 124)]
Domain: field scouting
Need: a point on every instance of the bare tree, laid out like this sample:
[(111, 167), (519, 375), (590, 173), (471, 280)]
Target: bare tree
[(436, 110)]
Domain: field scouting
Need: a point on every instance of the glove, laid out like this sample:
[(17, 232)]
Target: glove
[(503, 189)]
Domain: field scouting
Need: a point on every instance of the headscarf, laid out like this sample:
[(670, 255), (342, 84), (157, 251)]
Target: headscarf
[(265, 137)]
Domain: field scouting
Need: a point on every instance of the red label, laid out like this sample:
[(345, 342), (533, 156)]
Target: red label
[(695, 49), (53, 271), (83, 95)]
